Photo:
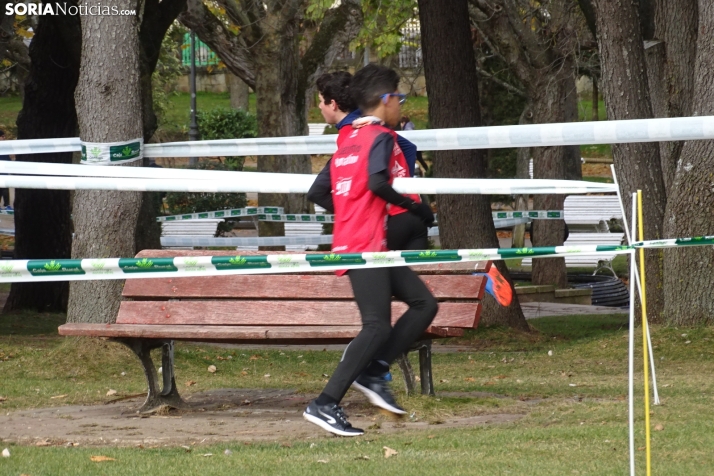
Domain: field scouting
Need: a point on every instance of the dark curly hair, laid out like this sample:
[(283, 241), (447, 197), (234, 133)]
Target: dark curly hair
[(336, 87), (371, 82)]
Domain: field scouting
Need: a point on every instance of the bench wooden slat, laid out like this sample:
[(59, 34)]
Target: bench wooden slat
[(267, 313), (236, 334), (286, 287)]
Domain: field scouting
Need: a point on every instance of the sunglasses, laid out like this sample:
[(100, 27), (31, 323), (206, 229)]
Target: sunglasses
[(385, 97)]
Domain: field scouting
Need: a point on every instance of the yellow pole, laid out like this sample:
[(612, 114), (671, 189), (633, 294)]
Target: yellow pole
[(641, 234)]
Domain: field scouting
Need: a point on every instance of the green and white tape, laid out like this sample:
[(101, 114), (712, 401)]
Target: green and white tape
[(186, 266), (228, 213), (112, 153), (271, 214), (7, 212)]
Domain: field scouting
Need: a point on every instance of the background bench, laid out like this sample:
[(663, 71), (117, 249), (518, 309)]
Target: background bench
[(591, 212), (579, 239), (268, 310)]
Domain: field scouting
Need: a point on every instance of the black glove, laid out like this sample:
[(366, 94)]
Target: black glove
[(423, 211)]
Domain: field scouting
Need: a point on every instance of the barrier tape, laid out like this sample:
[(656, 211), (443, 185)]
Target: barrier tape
[(112, 153), (132, 268), (187, 266), (535, 135), (279, 216), (241, 182), (231, 212)]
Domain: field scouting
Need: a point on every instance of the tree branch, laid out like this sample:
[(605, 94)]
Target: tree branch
[(502, 83), (229, 47)]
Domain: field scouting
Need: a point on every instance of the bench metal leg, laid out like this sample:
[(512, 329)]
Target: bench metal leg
[(156, 397), (408, 372), (427, 383)]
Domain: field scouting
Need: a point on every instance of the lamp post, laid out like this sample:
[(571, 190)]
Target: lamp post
[(193, 133)]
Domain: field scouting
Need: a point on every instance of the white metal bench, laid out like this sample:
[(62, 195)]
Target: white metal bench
[(591, 212), (200, 227), (579, 239), (315, 129)]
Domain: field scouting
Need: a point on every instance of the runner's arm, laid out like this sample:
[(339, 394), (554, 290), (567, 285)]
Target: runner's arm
[(320, 192)]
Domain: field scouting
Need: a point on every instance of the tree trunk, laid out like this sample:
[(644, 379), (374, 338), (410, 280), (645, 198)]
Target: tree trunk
[(690, 271), (571, 153), (675, 23), (42, 217), (638, 166), (277, 67), (108, 101), (465, 221), (549, 97), (156, 20), (522, 172), (238, 91), (596, 101)]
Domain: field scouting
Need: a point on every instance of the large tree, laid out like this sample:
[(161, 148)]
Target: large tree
[(42, 225), (689, 272), (638, 166), (450, 69), (260, 43), (539, 43), (108, 102)]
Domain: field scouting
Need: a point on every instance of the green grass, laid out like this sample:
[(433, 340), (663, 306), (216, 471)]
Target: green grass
[(573, 403)]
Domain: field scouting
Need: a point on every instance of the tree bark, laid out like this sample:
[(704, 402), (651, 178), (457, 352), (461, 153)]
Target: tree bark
[(522, 172), (238, 91), (675, 23), (596, 101), (571, 153), (465, 221), (690, 271), (638, 166), (549, 97), (156, 20), (42, 217), (108, 99)]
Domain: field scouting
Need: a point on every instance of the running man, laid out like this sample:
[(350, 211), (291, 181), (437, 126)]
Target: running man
[(361, 173), (405, 231)]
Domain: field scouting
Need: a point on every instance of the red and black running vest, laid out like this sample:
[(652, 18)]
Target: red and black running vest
[(400, 167), (360, 215)]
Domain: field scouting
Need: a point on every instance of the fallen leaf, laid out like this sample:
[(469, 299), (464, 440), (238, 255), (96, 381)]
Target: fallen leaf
[(470, 379), (266, 375), (228, 452), (111, 392), (99, 459), (324, 461), (244, 373), (659, 427), (443, 381), (212, 369), (43, 443), (365, 457), (56, 396), (389, 452), (431, 437), (254, 357), (190, 383), (286, 445), (208, 454), (4, 399)]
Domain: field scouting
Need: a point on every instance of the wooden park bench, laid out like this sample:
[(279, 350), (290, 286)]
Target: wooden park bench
[(307, 308)]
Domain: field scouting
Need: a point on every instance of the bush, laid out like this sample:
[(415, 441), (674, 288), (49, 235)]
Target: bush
[(225, 123), (196, 202)]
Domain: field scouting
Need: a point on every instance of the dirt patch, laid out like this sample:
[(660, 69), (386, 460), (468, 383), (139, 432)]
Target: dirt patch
[(214, 416)]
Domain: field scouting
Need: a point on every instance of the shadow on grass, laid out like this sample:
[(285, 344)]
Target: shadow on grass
[(29, 323), (564, 329)]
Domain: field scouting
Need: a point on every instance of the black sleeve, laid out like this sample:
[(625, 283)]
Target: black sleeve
[(380, 153), (321, 190), (379, 185)]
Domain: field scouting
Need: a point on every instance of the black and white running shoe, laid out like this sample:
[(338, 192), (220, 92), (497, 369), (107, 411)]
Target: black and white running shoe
[(331, 418), (377, 391)]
